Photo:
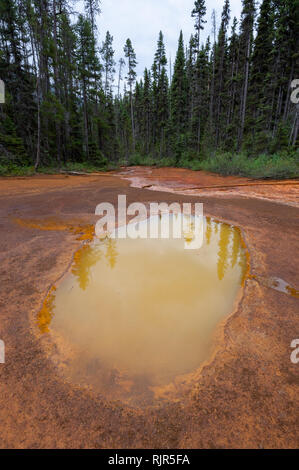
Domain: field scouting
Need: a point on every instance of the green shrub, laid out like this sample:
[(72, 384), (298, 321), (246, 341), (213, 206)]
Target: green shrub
[(165, 162), (137, 159), (277, 166), (11, 169)]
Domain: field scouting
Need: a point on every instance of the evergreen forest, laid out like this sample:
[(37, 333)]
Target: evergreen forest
[(228, 104)]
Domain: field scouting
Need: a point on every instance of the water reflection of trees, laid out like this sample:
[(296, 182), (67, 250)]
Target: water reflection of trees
[(84, 260), (111, 252), (228, 238), (208, 230), (45, 315), (229, 246), (88, 256), (236, 248), (223, 252)]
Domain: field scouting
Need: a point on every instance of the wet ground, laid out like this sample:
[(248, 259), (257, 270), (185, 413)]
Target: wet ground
[(244, 395), (139, 316)]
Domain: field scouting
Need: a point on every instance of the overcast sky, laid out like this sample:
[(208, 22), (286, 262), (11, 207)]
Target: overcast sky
[(141, 21)]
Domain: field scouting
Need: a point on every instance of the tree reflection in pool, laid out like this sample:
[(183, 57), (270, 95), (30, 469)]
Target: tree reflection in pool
[(136, 314)]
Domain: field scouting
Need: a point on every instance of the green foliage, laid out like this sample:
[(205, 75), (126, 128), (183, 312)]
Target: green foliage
[(277, 166), (109, 63), (179, 98), (198, 12), (96, 157), (132, 62), (225, 107), (11, 169), (141, 160), (148, 160)]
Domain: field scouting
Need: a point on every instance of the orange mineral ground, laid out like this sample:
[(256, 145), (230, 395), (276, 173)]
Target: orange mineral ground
[(245, 392)]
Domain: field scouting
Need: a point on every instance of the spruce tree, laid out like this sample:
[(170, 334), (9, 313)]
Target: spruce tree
[(160, 93), (221, 68), (260, 102), (246, 43), (89, 75), (107, 53), (62, 103), (92, 8), (199, 11), (179, 101), (147, 110), (131, 77), (232, 119)]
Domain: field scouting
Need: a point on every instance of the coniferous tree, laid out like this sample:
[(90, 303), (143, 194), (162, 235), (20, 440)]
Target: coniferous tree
[(147, 109), (92, 8), (246, 43), (160, 94), (261, 85), (286, 68), (199, 11), (221, 69), (191, 80), (179, 100), (204, 86), (63, 102), (213, 56), (232, 120), (131, 77), (109, 63), (89, 75)]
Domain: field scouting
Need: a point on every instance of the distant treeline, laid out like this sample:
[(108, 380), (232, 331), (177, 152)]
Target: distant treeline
[(66, 102)]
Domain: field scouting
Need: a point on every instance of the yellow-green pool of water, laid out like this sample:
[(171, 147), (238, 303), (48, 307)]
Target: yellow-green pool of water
[(136, 314)]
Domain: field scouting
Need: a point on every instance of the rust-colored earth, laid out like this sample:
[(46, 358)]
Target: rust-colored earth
[(246, 396)]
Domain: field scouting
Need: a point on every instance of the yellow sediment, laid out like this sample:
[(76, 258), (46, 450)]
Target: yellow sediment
[(46, 312), (85, 231)]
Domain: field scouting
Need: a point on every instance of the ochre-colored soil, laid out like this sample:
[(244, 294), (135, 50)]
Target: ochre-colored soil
[(182, 181), (246, 396)]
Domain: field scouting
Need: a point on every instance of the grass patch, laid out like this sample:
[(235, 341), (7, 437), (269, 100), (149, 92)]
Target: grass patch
[(148, 160), (15, 170), (12, 169), (277, 166)]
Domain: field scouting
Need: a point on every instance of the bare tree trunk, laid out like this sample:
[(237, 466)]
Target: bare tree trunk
[(199, 98), (294, 132), (85, 119), (37, 161), (213, 73), (56, 76), (35, 57), (198, 133), (278, 111), (288, 100), (132, 118), (244, 100), (170, 71), (147, 132), (232, 95)]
